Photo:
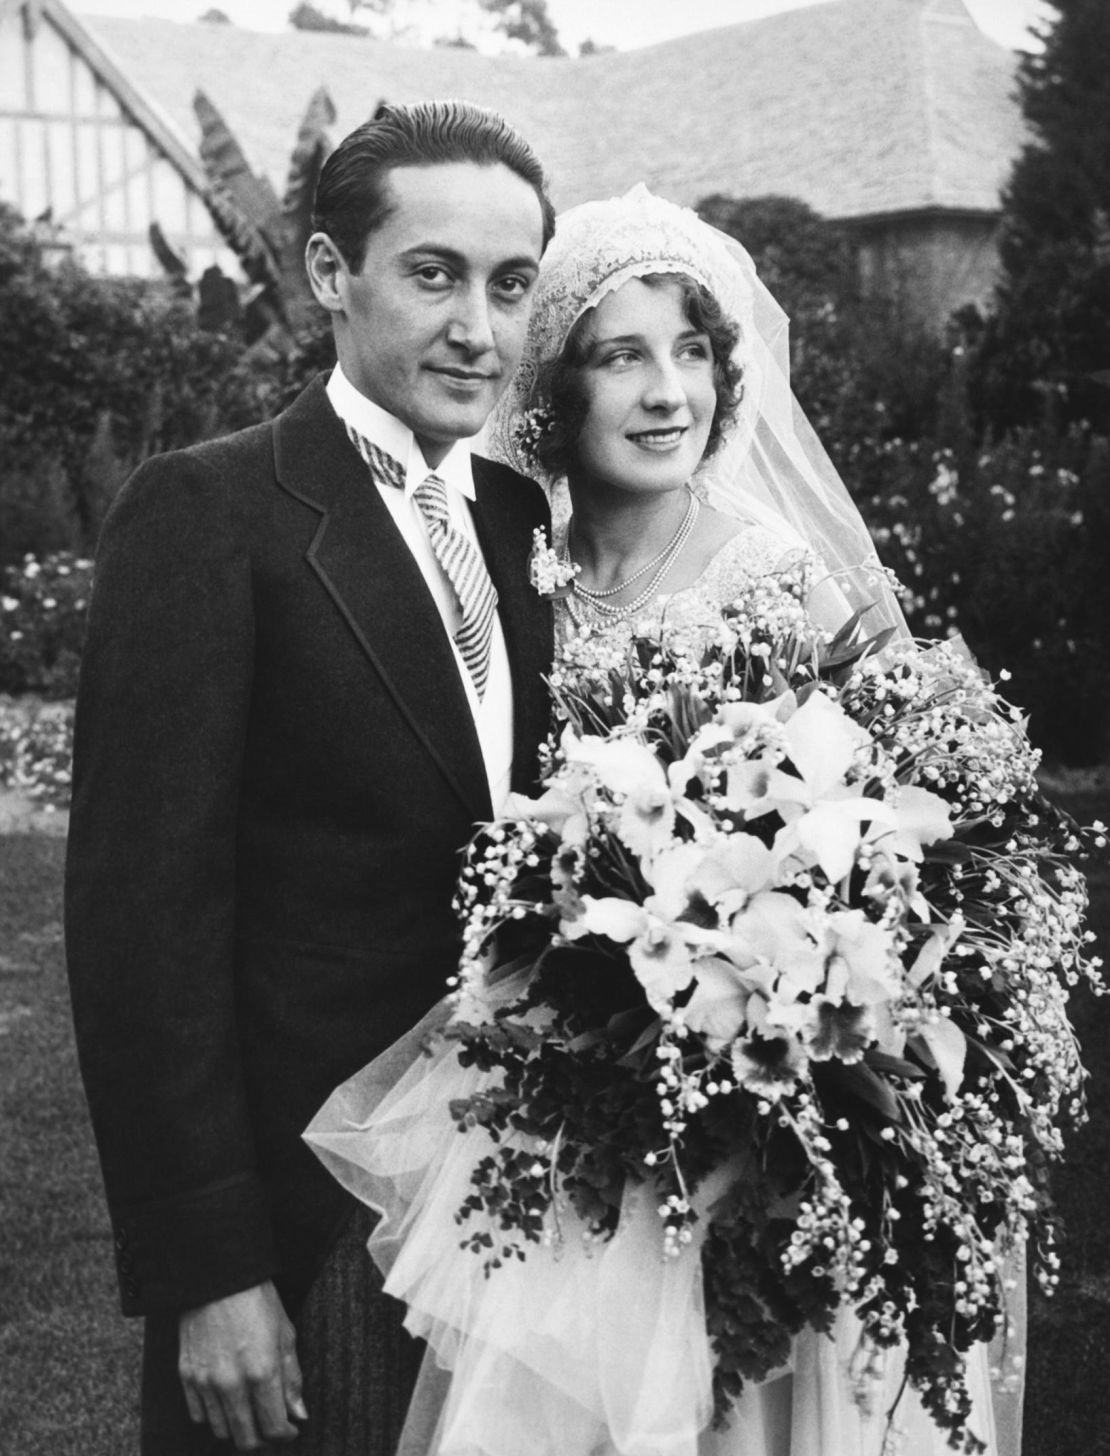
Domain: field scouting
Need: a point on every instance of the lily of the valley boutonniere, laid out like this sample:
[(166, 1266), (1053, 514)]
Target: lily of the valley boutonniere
[(549, 571)]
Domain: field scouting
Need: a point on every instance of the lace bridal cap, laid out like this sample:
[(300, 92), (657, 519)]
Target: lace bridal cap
[(771, 469)]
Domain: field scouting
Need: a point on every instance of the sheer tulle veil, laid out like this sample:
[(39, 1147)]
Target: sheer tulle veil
[(771, 469)]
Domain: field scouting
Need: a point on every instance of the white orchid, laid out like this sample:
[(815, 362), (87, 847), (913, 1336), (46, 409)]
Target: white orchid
[(827, 819), (730, 871), (862, 966), (769, 1060), (717, 1010), (657, 950), (889, 877), (630, 772), (774, 930), (558, 807), (941, 1042), (822, 743), (920, 817)]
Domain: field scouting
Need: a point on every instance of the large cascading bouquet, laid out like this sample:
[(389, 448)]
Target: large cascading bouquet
[(803, 927)]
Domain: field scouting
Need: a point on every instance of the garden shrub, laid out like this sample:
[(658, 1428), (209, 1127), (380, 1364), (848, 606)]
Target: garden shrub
[(36, 749), (43, 606), (97, 374), (1007, 544)]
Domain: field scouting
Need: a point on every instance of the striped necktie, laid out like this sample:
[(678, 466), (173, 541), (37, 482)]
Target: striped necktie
[(460, 559)]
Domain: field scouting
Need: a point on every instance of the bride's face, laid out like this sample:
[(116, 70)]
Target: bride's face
[(651, 393)]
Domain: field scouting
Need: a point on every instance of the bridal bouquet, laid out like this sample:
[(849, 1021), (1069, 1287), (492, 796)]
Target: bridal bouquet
[(802, 932)]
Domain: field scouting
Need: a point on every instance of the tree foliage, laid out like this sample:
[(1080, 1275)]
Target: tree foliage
[(1050, 333), (307, 16), (863, 371), (802, 258), (524, 22)]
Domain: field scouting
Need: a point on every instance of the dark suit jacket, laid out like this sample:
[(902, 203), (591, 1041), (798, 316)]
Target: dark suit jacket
[(275, 770)]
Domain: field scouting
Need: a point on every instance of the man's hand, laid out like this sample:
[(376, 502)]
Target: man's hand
[(238, 1364)]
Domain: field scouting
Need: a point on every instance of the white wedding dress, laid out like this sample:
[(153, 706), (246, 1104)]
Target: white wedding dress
[(593, 1349)]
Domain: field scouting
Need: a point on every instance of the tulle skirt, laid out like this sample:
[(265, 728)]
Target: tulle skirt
[(586, 1349)]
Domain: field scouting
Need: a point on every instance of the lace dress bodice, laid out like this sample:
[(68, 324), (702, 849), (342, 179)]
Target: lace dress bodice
[(751, 553)]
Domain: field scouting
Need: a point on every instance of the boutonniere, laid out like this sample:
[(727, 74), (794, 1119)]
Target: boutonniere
[(551, 573)]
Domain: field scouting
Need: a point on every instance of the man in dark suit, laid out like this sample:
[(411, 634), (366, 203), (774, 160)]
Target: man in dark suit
[(313, 664)]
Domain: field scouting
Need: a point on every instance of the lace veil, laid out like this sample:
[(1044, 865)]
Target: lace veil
[(771, 469)]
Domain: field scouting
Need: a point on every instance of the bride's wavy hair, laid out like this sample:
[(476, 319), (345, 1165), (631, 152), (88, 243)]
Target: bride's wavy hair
[(353, 197), (561, 383)]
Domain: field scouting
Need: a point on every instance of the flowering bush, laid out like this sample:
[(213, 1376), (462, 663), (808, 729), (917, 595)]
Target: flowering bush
[(36, 749), (804, 930), (43, 605), (1007, 545)]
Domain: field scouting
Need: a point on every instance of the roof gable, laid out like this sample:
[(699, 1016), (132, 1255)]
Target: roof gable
[(858, 107)]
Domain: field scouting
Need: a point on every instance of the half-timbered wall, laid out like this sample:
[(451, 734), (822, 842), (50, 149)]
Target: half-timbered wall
[(69, 147)]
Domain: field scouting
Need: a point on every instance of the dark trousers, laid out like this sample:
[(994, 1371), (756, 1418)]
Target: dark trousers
[(359, 1367)]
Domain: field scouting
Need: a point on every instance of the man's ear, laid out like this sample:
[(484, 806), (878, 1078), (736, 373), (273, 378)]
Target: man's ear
[(327, 272)]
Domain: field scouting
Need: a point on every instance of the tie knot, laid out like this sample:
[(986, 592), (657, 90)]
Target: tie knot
[(431, 497), (383, 466)]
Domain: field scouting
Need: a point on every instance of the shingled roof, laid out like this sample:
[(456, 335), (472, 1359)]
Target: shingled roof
[(862, 108)]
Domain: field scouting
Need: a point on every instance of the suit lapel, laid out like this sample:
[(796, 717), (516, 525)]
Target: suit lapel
[(365, 566)]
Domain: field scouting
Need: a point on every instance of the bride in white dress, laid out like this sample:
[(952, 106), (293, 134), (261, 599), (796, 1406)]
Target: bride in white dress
[(654, 402)]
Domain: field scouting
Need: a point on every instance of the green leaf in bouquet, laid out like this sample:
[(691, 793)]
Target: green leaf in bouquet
[(489, 1109), (892, 1066), (587, 1040), (861, 1083), (641, 1053), (846, 634), (978, 1050), (785, 1205), (947, 852), (848, 656), (780, 681)]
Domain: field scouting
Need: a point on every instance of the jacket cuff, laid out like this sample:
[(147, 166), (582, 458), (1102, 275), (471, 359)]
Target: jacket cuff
[(189, 1250)]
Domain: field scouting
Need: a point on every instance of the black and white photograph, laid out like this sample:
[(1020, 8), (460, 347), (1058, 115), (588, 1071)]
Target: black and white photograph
[(554, 727)]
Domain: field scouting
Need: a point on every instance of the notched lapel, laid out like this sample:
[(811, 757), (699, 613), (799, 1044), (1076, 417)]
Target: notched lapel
[(367, 569)]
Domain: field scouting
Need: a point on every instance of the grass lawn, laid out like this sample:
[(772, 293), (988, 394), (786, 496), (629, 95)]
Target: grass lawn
[(1067, 1412), (69, 1362), (69, 1359)]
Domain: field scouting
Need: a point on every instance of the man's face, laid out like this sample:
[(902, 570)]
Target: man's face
[(432, 325)]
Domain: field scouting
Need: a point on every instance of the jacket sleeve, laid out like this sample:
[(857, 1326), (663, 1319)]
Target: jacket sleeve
[(150, 880)]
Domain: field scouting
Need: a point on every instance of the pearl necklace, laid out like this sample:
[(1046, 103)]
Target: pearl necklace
[(595, 600)]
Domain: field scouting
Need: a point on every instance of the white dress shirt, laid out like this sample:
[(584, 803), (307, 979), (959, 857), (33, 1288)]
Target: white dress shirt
[(493, 713)]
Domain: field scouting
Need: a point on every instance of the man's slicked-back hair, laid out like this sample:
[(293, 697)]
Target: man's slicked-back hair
[(353, 196)]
